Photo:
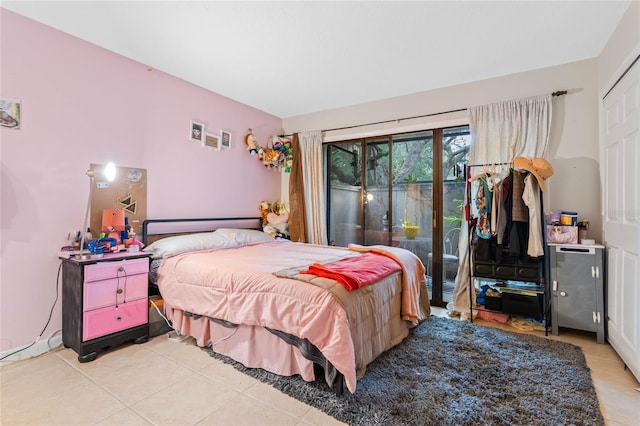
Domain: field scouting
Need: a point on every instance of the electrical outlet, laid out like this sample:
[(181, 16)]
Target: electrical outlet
[(102, 185)]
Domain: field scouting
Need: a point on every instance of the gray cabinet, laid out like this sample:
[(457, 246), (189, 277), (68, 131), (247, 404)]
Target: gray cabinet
[(577, 288)]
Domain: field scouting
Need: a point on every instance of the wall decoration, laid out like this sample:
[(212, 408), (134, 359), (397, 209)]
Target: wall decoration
[(128, 204), (196, 132), (10, 113), (212, 141), (225, 139)]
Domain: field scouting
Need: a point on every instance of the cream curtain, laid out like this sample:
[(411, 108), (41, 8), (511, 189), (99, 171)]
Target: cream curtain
[(312, 174), (501, 132)]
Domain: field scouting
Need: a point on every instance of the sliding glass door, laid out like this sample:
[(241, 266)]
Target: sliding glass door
[(403, 190)]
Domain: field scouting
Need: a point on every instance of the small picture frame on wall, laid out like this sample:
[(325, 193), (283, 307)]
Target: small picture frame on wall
[(225, 139), (196, 132), (212, 141), (10, 113)]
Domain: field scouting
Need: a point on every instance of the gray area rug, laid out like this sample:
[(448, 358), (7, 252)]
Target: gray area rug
[(455, 373)]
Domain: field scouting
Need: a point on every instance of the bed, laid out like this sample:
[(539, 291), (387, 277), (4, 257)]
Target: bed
[(250, 297)]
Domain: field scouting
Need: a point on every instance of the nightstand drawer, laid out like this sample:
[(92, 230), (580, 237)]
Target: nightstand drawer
[(107, 270), (100, 294), (101, 322)]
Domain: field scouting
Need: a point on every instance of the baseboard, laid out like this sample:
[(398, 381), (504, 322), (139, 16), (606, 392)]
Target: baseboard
[(39, 348)]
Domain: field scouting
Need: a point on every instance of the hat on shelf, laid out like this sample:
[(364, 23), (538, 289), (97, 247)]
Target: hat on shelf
[(539, 167)]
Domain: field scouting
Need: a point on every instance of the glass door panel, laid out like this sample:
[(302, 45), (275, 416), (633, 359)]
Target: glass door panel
[(344, 193), (376, 191), (412, 195), (455, 154)]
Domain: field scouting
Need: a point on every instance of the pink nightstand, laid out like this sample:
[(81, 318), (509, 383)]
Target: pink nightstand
[(104, 302)]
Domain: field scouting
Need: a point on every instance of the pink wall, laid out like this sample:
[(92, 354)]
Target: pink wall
[(82, 104)]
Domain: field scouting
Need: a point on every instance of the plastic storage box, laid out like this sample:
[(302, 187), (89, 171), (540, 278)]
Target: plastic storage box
[(523, 303), (493, 303)]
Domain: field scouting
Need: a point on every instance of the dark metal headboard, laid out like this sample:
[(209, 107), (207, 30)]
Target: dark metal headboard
[(155, 229)]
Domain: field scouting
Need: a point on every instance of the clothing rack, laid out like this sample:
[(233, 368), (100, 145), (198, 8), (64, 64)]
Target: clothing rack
[(546, 299), (490, 164), (397, 120)]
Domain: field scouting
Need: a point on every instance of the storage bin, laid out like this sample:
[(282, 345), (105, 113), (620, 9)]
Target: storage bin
[(523, 304), (493, 303), (562, 234)]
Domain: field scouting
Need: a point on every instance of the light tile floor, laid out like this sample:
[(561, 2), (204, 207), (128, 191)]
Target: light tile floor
[(165, 382)]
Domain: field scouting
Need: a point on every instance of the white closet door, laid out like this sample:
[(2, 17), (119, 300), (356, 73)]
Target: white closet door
[(620, 164)]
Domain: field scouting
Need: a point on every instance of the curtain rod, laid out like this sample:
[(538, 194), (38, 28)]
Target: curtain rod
[(397, 120)]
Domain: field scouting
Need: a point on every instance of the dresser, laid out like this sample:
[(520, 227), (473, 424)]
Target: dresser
[(104, 302), (578, 283)]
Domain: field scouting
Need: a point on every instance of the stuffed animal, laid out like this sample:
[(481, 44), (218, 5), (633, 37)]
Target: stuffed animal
[(277, 221), (278, 144), (265, 209), (252, 143), (271, 158), (278, 207)]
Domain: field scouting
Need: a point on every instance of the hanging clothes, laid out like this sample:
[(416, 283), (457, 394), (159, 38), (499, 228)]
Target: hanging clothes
[(504, 193), (508, 215), (483, 207), (519, 210), (519, 229), (494, 208), (531, 197)]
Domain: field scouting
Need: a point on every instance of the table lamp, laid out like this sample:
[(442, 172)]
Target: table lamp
[(109, 173)]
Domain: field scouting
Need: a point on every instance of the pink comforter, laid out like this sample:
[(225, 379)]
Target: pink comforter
[(238, 285)]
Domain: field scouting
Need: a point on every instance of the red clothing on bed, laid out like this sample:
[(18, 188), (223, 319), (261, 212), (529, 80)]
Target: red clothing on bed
[(357, 271)]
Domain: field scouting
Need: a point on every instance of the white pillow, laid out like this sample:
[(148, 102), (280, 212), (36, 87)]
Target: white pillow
[(244, 236), (171, 246)]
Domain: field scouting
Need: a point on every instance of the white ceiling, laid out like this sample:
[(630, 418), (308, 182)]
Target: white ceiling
[(293, 58)]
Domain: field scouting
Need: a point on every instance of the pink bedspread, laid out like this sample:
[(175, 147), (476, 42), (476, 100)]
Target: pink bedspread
[(357, 271), (415, 299), (239, 285)]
